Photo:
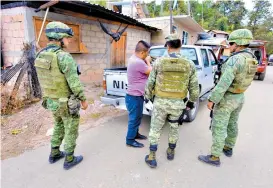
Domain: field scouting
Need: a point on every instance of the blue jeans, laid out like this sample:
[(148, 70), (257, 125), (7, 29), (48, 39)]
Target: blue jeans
[(134, 105)]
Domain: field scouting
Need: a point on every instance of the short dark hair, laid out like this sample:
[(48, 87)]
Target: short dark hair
[(142, 46), (174, 44)]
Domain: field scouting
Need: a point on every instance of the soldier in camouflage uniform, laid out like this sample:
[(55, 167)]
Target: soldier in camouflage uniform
[(228, 96), (170, 80), (62, 92)]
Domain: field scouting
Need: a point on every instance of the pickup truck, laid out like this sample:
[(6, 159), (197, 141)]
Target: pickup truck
[(258, 49), (115, 79)]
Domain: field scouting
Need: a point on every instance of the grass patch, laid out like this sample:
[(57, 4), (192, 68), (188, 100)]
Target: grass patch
[(95, 115), (101, 94), (91, 101)]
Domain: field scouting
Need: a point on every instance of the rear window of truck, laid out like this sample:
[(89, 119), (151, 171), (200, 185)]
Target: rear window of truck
[(189, 53)]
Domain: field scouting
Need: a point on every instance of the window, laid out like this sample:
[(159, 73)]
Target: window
[(212, 58), (185, 38), (74, 46), (174, 29), (189, 53), (205, 57), (157, 52)]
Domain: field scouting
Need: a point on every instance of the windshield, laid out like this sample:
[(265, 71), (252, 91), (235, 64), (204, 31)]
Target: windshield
[(189, 53)]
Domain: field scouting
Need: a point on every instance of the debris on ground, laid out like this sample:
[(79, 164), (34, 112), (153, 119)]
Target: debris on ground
[(31, 127)]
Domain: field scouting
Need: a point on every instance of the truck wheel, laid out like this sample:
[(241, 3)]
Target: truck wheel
[(191, 114), (261, 76)]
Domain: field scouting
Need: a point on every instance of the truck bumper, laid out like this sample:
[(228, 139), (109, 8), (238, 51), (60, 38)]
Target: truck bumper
[(119, 102)]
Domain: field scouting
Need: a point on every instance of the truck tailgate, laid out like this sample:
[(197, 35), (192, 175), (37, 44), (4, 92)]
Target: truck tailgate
[(116, 83)]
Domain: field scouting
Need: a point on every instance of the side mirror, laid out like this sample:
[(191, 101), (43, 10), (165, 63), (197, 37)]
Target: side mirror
[(198, 67)]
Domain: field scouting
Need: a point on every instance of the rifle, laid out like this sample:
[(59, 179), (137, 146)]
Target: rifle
[(211, 116), (181, 117)]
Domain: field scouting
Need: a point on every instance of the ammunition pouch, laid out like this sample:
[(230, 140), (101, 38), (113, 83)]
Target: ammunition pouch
[(74, 105)]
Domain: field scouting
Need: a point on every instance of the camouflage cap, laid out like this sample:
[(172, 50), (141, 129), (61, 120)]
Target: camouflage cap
[(58, 30), (171, 37), (240, 36)]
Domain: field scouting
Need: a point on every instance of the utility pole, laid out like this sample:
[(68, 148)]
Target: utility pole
[(189, 8), (171, 17)]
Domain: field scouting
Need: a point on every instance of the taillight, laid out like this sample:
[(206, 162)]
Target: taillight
[(264, 63), (104, 84)]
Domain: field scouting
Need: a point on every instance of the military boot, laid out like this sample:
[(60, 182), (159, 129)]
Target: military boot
[(170, 151), (71, 160), (210, 159), (151, 158), (227, 151), (55, 155)]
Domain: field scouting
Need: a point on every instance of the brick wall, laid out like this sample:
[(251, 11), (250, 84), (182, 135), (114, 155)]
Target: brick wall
[(20, 22), (12, 29)]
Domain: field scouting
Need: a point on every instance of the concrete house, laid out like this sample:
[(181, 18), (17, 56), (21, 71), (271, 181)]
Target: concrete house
[(92, 48), (218, 34), (184, 25)]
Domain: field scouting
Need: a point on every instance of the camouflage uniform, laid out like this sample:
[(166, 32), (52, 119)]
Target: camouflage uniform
[(228, 95), (170, 80), (57, 73)]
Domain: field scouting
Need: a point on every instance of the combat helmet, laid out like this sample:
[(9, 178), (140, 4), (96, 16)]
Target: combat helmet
[(240, 36), (58, 30)]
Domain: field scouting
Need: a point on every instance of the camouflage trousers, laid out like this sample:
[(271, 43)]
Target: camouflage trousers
[(163, 109), (65, 126), (225, 122)]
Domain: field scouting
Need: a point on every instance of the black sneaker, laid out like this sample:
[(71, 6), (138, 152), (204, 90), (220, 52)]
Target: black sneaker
[(76, 160), (55, 158), (228, 152), (210, 159), (170, 154), (151, 161)]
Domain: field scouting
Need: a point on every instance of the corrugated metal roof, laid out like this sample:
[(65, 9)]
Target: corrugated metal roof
[(83, 8), (219, 32)]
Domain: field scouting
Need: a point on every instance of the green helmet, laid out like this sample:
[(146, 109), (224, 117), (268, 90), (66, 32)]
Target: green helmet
[(58, 30), (240, 37)]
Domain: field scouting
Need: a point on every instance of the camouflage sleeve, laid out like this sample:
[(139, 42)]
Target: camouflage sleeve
[(227, 77), (193, 84), (68, 66), (150, 85)]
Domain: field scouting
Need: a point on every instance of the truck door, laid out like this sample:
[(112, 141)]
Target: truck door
[(208, 72)]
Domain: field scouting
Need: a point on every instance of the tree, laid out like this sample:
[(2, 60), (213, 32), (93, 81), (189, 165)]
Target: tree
[(259, 14)]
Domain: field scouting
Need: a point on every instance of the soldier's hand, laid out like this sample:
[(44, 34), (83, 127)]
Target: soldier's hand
[(210, 105), (84, 105)]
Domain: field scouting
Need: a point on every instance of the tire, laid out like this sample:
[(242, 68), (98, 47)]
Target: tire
[(191, 114), (261, 76)]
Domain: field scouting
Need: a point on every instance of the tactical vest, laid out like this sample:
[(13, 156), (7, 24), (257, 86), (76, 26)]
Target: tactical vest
[(52, 80), (172, 79), (244, 78)]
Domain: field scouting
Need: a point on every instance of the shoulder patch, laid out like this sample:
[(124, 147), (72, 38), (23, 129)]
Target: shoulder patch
[(233, 60)]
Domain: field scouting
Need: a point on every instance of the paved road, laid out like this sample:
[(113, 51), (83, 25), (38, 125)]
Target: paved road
[(108, 163)]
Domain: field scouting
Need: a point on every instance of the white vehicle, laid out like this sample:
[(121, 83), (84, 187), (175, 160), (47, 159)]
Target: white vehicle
[(115, 79), (270, 60)]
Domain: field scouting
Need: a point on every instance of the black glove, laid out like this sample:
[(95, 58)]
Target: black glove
[(190, 105), (78, 70)]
